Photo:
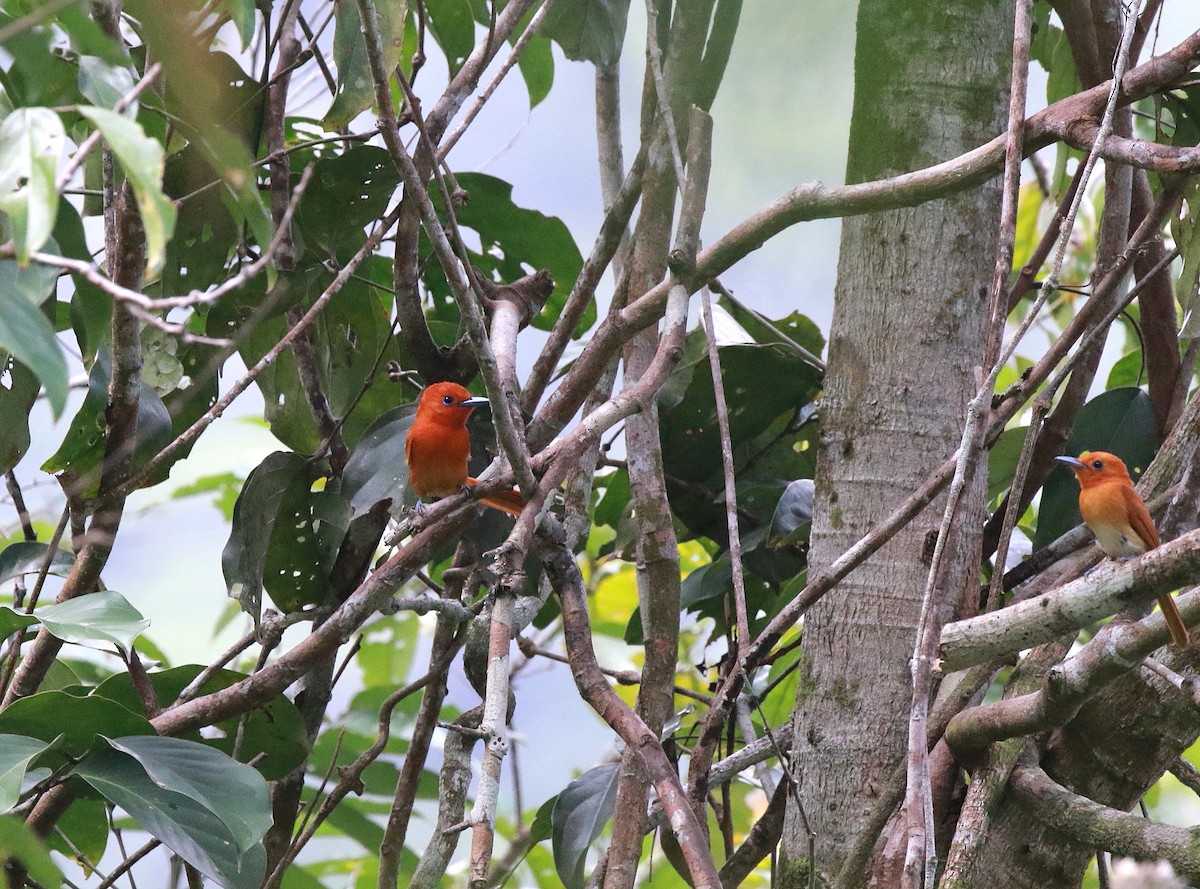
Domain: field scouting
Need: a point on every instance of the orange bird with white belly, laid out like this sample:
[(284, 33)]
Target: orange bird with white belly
[(438, 447), (1113, 511)]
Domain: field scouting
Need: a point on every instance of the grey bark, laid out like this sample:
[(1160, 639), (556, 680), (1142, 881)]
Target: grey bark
[(908, 330)]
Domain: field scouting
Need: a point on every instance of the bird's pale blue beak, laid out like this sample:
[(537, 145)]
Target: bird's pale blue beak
[(473, 401), (1070, 461)]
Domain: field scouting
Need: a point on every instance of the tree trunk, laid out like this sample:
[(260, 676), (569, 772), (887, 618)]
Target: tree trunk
[(908, 329)]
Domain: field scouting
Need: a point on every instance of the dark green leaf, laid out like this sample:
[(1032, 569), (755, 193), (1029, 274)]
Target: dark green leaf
[(1120, 421), (452, 24), (377, 469), (536, 64), (33, 282), (49, 714), (282, 535), (186, 826), (234, 792), (18, 393), (104, 84), (1002, 460), (580, 813), (346, 193), (588, 30), (11, 621), (31, 142), (82, 451), (273, 734), (81, 834), (29, 336)]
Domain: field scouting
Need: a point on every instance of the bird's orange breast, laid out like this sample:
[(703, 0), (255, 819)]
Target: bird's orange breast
[(437, 458)]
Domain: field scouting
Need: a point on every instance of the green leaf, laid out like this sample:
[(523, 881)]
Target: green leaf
[(588, 30), (11, 621), (241, 13), (18, 844), (514, 240), (1128, 370), (346, 192), (82, 452), (16, 752), (105, 84), (185, 825), (103, 616), (31, 142), (78, 720), (452, 24), (580, 813), (234, 792), (356, 90), (27, 556), (142, 160), (272, 735), (377, 469), (29, 336), (1120, 421), (18, 393), (1002, 460), (284, 535), (34, 282), (536, 64)]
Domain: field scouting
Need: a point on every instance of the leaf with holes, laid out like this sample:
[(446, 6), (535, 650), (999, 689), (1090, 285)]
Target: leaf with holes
[(580, 813), (284, 535)]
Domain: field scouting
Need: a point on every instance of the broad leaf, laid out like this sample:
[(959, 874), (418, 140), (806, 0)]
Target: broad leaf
[(272, 735), (16, 752), (103, 616), (186, 826), (580, 813), (19, 390), (234, 792), (28, 334), (377, 469), (104, 84), (31, 141), (82, 451), (142, 160), (588, 30), (79, 720), (284, 535), (27, 557), (356, 90), (346, 193)]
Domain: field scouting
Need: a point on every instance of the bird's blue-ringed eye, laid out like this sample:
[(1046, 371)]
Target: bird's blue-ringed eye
[(448, 400), (1097, 464)]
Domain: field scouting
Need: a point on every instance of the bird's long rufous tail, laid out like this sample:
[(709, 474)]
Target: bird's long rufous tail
[(1179, 631), (512, 503)]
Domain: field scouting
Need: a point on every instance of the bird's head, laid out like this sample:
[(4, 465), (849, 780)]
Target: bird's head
[(449, 402), (1096, 467)]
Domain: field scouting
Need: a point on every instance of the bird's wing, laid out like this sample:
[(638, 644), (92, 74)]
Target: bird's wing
[(1139, 517)]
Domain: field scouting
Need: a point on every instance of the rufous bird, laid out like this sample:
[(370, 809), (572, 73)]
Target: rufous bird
[(1115, 513), (438, 447)]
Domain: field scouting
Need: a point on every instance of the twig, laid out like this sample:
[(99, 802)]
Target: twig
[(530, 31), (91, 141)]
